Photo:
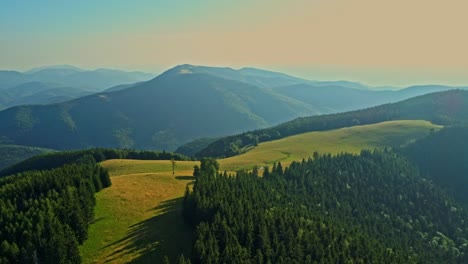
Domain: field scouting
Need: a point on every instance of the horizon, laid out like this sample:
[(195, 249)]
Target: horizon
[(379, 44)]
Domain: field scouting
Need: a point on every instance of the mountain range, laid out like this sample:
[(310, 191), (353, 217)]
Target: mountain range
[(182, 104), (59, 83)]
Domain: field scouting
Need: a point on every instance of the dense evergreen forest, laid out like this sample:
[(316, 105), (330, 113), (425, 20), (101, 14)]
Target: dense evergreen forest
[(190, 149), (443, 157), (45, 214), (444, 108), (47, 203), (369, 208)]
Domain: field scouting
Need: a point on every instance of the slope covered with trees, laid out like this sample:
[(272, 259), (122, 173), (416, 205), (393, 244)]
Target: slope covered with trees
[(443, 108), (443, 157), (12, 154), (46, 214), (367, 208)]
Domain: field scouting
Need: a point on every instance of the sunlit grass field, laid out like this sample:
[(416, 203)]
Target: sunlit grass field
[(351, 139), (138, 219)]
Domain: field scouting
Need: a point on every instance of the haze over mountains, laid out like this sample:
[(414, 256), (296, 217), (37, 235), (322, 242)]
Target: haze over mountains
[(59, 83), (182, 104), (442, 108)]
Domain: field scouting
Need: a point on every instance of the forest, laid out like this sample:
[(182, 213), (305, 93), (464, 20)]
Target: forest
[(443, 157), (369, 208), (45, 214)]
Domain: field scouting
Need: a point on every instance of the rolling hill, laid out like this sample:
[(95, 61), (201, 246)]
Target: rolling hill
[(349, 139), (443, 108)]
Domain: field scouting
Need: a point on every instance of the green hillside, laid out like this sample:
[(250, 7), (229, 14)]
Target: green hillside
[(350, 139), (443, 108)]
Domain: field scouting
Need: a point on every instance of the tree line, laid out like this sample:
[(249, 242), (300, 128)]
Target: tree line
[(57, 159)]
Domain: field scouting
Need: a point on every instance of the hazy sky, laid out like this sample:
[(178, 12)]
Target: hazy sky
[(394, 42)]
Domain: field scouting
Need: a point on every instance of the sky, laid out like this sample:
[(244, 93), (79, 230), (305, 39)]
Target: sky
[(378, 42)]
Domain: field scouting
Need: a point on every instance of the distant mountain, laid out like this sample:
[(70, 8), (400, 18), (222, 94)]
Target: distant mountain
[(163, 113), (444, 108), (11, 78), (59, 83), (322, 96), (12, 154), (334, 98), (259, 77), (97, 80), (182, 104), (39, 93), (55, 67), (122, 87)]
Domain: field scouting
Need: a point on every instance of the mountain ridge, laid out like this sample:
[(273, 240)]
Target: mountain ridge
[(180, 105)]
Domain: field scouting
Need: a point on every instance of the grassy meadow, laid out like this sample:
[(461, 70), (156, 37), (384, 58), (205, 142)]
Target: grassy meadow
[(138, 219), (350, 139), (139, 216)]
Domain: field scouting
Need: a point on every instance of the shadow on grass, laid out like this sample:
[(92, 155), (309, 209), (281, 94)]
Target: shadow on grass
[(185, 178), (165, 234), (97, 220)]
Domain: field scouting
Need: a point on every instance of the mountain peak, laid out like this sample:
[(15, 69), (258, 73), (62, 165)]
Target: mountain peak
[(55, 67)]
